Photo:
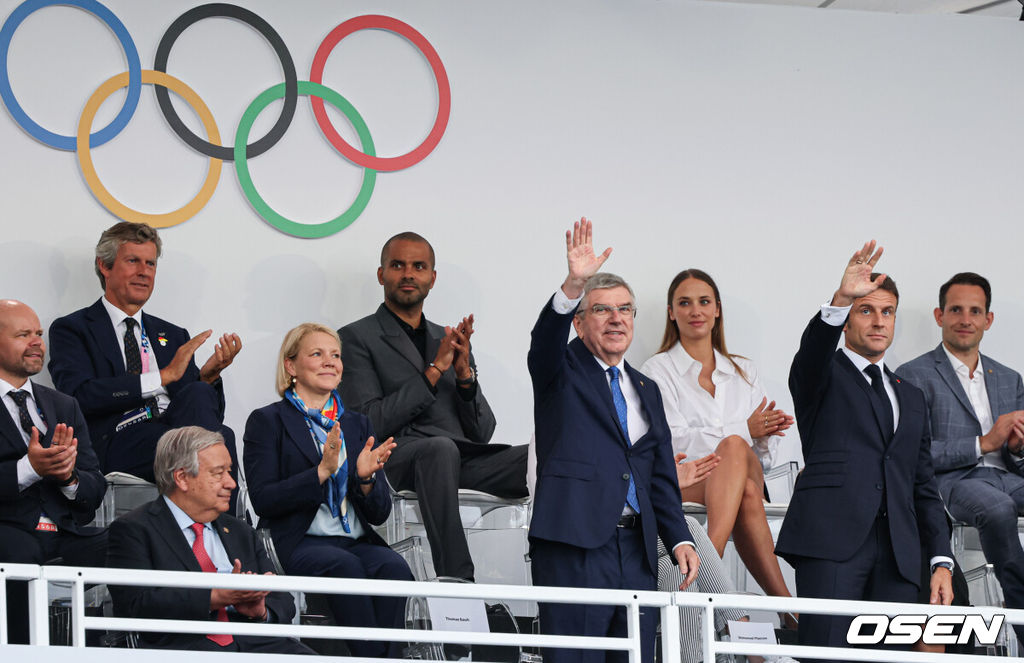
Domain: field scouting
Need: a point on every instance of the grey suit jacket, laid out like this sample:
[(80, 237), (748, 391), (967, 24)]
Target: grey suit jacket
[(383, 379), (955, 425)]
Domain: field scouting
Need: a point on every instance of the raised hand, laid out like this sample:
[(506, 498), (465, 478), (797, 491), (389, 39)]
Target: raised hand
[(330, 462), (173, 371), (224, 352), (579, 253), (444, 357), (856, 280)]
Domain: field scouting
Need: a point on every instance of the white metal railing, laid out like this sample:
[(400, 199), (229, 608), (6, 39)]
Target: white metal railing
[(667, 603)]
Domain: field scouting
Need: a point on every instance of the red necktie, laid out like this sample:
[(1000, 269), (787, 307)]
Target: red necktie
[(206, 564)]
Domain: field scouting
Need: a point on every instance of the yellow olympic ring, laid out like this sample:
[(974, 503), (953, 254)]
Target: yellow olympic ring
[(89, 171)]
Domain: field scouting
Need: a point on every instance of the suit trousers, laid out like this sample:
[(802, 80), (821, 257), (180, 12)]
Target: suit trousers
[(435, 469), (342, 557), (20, 547), (131, 450), (621, 563), (990, 500), (870, 574)]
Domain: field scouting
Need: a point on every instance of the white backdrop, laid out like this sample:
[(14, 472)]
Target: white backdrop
[(763, 144)]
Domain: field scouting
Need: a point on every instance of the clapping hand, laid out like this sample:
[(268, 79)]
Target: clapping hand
[(692, 473), (766, 420)]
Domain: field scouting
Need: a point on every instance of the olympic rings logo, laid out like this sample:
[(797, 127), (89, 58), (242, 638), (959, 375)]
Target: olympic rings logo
[(241, 151)]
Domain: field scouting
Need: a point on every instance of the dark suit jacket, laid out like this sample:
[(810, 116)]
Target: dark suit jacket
[(149, 538), (281, 472), (851, 462), (21, 508), (384, 381), (584, 459), (954, 424), (86, 362)]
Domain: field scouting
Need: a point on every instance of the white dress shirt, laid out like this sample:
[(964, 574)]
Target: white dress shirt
[(700, 421), (26, 474), (149, 381), (977, 394)]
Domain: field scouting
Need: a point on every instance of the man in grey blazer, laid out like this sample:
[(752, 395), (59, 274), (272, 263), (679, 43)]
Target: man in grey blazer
[(977, 418), (416, 381)]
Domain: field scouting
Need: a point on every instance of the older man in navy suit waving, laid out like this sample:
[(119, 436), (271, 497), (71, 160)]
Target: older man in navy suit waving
[(866, 507), (606, 483)]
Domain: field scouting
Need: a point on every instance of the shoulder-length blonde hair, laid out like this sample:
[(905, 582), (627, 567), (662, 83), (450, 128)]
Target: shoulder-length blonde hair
[(671, 336), (290, 348)]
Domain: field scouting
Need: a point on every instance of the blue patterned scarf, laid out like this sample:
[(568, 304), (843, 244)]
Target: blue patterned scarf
[(319, 426)]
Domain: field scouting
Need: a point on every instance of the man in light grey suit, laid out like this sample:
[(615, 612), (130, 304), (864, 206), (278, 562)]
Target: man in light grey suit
[(977, 418), (417, 382)]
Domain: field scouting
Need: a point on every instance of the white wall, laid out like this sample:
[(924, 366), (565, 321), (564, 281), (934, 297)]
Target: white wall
[(763, 144)]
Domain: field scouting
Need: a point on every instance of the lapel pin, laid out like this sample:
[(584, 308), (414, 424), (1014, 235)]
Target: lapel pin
[(161, 338), (990, 370), (226, 530), (897, 380)]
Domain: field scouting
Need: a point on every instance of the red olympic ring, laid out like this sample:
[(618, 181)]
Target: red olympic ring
[(444, 92)]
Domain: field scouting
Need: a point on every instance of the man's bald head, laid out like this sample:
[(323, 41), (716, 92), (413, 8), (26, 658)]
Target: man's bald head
[(22, 348)]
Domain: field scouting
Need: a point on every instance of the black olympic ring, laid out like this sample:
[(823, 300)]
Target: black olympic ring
[(291, 85)]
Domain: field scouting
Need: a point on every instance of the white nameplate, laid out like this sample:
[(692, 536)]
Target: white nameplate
[(756, 632), (457, 614)]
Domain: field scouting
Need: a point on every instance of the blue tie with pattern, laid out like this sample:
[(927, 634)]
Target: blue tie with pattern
[(620, 409)]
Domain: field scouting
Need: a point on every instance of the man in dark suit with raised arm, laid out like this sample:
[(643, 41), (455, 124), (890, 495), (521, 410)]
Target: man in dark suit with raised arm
[(132, 373), (606, 481), (976, 407), (866, 507), (416, 381), (186, 529), (50, 483)]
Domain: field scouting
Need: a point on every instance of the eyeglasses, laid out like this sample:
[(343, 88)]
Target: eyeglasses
[(603, 310)]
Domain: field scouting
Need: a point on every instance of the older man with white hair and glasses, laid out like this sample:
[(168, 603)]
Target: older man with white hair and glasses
[(186, 529)]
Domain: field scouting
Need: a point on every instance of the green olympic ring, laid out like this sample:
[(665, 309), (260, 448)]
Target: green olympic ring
[(305, 230)]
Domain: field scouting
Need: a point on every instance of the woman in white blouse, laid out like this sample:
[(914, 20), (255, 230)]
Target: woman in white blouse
[(715, 405)]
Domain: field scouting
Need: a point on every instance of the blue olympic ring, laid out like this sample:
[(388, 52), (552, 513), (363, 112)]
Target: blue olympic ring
[(45, 136)]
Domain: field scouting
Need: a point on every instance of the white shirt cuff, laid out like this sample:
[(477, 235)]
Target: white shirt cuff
[(150, 384), (70, 492), (977, 447), (939, 558), (26, 475), (683, 543), (835, 315), (561, 303)]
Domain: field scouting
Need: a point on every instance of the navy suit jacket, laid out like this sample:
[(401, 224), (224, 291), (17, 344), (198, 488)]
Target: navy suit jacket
[(281, 462), (149, 538), (954, 424), (21, 508), (86, 362), (851, 462), (584, 459)]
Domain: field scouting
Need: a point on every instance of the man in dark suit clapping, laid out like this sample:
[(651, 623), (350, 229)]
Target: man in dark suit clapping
[(50, 481), (606, 482)]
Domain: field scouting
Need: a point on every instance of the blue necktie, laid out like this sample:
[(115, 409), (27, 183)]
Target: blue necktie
[(620, 409)]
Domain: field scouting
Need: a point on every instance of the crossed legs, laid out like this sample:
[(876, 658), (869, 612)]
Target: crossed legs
[(734, 496)]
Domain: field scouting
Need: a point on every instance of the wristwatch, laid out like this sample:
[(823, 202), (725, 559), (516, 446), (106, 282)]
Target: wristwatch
[(946, 565), (368, 481), (468, 381)]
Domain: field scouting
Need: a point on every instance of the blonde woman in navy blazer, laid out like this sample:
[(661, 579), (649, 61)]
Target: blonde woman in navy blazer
[(314, 476)]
